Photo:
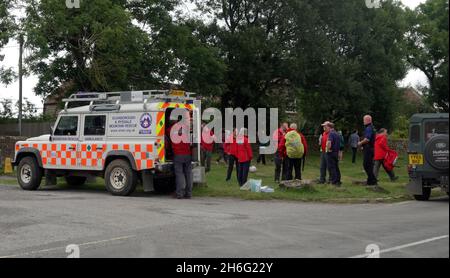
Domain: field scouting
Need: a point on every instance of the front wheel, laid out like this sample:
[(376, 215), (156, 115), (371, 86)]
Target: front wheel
[(29, 174), (120, 179), (426, 194)]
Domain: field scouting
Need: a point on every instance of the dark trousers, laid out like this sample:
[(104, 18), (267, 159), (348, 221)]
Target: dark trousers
[(244, 169), (183, 175), (354, 152), (262, 158), (376, 169), (368, 165), (333, 167), (222, 155), (281, 166), (206, 160), (294, 164), (323, 168), (232, 160)]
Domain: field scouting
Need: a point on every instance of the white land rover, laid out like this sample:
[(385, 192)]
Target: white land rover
[(119, 136)]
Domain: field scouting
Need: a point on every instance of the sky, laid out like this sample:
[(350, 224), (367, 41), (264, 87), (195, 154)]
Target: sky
[(414, 78)]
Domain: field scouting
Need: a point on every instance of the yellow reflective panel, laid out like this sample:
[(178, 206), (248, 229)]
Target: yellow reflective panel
[(178, 93)]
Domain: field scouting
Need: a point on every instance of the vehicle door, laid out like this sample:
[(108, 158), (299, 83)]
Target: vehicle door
[(62, 152), (93, 142)]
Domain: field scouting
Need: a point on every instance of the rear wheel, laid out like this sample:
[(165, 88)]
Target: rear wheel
[(426, 194), (75, 181), (29, 174), (120, 179)]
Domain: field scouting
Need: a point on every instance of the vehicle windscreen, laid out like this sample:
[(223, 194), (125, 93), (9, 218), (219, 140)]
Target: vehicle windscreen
[(433, 128)]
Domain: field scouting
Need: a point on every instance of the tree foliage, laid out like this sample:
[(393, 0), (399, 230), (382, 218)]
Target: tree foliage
[(335, 59), (109, 45), (7, 28), (340, 59), (428, 42)]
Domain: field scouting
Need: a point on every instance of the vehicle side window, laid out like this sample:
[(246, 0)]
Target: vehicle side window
[(67, 126), (94, 125), (415, 134), (435, 128)]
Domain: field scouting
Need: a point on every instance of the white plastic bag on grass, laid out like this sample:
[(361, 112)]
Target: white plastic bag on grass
[(255, 185), (266, 189)]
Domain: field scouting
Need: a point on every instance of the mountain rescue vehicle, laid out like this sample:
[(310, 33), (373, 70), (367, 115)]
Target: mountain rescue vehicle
[(119, 136)]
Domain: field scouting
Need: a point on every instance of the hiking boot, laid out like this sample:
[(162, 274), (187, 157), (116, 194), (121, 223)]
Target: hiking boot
[(394, 179)]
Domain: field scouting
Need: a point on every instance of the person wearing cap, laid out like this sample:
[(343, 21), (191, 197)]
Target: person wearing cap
[(332, 152), (368, 144), (323, 154)]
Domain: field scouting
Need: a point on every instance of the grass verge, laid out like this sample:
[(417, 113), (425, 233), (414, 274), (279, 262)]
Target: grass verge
[(348, 193)]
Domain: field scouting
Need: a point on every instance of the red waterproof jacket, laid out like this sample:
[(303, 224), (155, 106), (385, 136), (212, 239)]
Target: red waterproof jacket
[(323, 146), (181, 147), (304, 142), (231, 146), (207, 142), (244, 149), (280, 140), (381, 147)]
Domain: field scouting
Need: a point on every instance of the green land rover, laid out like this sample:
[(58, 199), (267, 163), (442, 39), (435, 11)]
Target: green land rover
[(428, 154)]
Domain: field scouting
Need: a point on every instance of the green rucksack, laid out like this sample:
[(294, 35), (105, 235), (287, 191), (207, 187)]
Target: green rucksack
[(294, 145)]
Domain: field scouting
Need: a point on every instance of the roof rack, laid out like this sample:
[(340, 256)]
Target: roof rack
[(111, 101)]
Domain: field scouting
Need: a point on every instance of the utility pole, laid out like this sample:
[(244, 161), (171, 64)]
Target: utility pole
[(20, 82)]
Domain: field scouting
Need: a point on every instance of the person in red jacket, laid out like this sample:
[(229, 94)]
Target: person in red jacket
[(381, 151), (230, 148), (244, 155), (323, 139), (281, 163), (181, 147), (207, 147)]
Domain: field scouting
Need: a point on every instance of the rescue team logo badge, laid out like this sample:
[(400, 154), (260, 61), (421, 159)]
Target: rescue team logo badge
[(146, 122)]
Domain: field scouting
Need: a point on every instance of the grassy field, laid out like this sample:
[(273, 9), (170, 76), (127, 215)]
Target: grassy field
[(348, 193)]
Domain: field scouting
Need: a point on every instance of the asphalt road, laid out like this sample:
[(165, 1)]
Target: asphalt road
[(44, 223)]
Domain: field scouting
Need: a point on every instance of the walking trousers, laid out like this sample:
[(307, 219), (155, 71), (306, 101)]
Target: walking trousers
[(183, 175), (369, 153)]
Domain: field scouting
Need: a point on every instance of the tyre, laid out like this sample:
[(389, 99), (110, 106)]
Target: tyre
[(426, 194), (29, 174), (436, 152), (75, 181), (120, 179)]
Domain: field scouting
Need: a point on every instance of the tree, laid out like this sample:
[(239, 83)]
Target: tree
[(338, 58), (6, 32), (96, 47), (29, 109), (428, 42), (6, 111)]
